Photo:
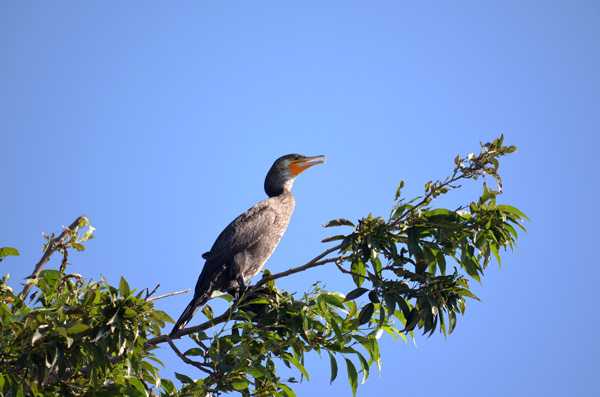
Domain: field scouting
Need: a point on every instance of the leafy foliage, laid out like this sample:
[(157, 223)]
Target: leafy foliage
[(8, 251), (76, 337), (411, 270)]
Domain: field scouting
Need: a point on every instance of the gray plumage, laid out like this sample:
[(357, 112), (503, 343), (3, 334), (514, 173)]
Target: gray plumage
[(242, 248)]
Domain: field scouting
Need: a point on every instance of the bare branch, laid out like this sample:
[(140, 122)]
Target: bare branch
[(65, 259), (226, 316), (343, 270), (316, 261), (186, 360), (448, 182), (190, 330), (53, 245), (168, 294), (150, 293)]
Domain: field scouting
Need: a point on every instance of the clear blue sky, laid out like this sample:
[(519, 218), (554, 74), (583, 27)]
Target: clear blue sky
[(158, 120)]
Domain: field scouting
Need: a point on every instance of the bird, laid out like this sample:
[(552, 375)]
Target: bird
[(242, 248)]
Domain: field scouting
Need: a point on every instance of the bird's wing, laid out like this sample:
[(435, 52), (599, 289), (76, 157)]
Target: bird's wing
[(243, 232)]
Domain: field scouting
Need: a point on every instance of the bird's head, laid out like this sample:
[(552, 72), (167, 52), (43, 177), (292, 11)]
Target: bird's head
[(285, 169)]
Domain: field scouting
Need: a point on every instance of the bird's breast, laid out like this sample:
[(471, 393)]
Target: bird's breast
[(283, 207)]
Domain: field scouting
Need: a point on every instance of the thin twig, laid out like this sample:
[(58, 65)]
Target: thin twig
[(226, 316), (316, 261), (168, 294), (65, 259), (341, 268), (150, 293), (190, 330), (53, 245), (427, 197), (186, 360)]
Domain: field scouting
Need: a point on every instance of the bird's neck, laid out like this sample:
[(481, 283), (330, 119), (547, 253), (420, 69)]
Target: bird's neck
[(287, 186), (285, 199), (280, 189)]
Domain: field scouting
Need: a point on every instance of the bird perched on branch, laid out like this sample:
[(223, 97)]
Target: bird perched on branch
[(244, 246)]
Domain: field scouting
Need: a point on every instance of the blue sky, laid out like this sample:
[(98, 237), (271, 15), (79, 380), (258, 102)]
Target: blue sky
[(158, 120)]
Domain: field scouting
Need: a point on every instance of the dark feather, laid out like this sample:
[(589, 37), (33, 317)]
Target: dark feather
[(241, 250)]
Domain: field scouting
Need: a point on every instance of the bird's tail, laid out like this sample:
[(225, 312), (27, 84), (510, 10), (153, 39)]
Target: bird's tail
[(189, 311)]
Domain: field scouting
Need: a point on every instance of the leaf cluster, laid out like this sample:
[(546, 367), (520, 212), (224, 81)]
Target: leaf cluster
[(73, 337), (411, 273)]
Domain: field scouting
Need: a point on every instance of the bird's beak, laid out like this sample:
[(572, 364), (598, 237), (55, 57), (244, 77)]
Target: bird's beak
[(298, 166)]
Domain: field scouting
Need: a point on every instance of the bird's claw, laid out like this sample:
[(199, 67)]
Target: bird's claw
[(240, 290)]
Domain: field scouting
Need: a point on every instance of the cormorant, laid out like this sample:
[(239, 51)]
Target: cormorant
[(243, 247)]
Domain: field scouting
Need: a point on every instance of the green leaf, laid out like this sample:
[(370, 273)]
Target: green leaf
[(50, 276), (183, 378), (333, 238), (77, 328), (494, 249), (411, 320), (129, 313), (8, 251), (208, 312), (155, 359), (289, 392), (334, 367), (194, 351), (399, 190), (441, 212), (257, 301), (333, 299), (352, 376), (366, 313), (258, 372), (373, 297), (226, 297), (466, 292), (78, 246), (469, 263), (162, 316), (294, 360), (359, 271), (339, 222), (88, 234), (452, 320), (355, 293), (377, 266), (137, 384), (390, 302), (374, 351), (403, 306), (487, 194), (441, 261), (124, 290), (512, 210), (240, 384), (413, 243), (167, 385), (365, 367)]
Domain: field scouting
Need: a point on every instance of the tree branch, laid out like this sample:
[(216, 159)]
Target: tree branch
[(429, 195), (150, 293), (226, 316), (168, 294), (316, 261), (186, 360), (53, 245)]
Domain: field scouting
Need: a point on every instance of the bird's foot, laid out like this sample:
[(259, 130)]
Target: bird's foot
[(240, 290), (239, 293)]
